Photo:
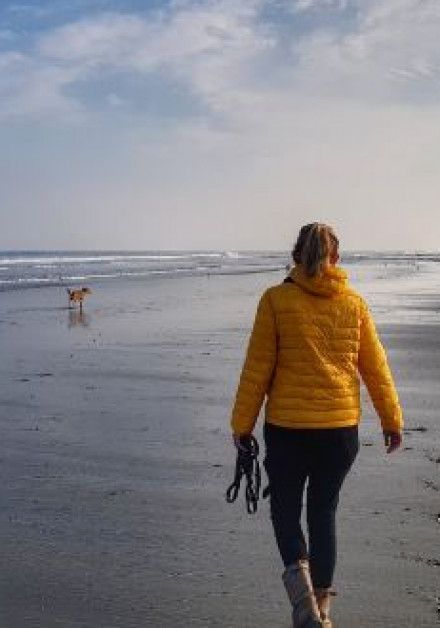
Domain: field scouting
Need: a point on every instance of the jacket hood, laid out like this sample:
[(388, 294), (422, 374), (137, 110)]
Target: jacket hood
[(331, 282)]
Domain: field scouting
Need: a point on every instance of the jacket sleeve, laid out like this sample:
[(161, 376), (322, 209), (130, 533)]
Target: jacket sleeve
[(375, 371), (257, 370)]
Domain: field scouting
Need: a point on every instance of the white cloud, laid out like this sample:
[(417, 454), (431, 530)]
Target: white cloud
[(216, 48), (391, 53), (300, 6), (30, 88), (206, 46)]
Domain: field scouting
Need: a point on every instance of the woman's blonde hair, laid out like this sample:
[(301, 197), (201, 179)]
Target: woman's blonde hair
[(316, 242)]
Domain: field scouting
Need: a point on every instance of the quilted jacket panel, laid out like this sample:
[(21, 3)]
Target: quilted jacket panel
[(311, 341)]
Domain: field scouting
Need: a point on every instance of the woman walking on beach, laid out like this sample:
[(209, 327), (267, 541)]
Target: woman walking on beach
[(312, 336)]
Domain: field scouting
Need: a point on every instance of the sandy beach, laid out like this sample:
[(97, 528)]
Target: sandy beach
[(116, 455)]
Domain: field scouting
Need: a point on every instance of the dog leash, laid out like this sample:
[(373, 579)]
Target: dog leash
[(247, 465)]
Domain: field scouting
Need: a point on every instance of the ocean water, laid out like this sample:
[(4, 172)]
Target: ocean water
[(32, 269), (396, 284)]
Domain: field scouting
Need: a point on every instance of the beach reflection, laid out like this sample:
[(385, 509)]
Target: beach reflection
[(78, 318)]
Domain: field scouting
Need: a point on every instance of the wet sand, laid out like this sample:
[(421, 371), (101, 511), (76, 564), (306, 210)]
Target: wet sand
[(115, 458)]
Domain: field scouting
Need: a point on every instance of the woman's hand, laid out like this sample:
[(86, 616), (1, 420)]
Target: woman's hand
[(393, 441), (238, 442)]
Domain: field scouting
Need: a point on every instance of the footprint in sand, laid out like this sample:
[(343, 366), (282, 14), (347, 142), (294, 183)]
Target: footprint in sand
[(432, 485), (419, 428)]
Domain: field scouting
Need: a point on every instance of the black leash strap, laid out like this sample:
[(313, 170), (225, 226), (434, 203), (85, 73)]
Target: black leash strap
[(247, 465)]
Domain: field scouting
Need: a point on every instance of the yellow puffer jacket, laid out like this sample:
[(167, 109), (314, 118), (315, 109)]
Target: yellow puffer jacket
[(311, 339)]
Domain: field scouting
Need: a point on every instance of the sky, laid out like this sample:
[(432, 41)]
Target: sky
[(219, 124)]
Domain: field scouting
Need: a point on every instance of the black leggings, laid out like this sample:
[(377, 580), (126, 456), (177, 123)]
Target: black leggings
[(322, 457)]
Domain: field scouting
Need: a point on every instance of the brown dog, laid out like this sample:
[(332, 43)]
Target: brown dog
[(77, 296)]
